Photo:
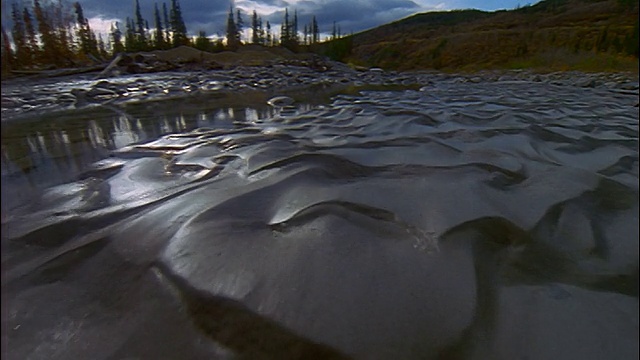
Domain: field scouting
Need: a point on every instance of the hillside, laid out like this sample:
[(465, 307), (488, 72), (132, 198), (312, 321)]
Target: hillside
[(588, 35)]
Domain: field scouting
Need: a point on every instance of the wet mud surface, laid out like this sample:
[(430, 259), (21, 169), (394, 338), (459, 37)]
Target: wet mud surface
[(447, 220)]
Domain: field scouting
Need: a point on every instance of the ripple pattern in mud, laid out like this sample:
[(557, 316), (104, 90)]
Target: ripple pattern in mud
[(476, 221)]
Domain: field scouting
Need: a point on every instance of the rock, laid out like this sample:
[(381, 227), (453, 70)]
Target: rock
[(159, 61), (589, 83), (10, 103), (66, 99), (628, 86), (113, 68), (101, 93), (123, 60), (280, 101)]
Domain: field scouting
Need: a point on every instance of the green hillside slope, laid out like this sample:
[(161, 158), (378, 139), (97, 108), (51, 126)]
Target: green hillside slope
[(588, 35)]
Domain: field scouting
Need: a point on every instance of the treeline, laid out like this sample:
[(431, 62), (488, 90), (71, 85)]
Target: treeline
[(46, 34), (289, 36), (169, 30), (50, 33)]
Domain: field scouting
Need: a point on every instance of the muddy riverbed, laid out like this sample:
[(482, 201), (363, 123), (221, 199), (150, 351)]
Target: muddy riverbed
[(363, 214)]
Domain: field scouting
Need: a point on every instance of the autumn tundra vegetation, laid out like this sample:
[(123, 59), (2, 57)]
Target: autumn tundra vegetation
[(552, 35)]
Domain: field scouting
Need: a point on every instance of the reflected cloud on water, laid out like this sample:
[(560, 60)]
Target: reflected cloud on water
[(46, 150)]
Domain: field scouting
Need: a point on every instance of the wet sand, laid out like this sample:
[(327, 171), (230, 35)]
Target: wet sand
[(476, 220)]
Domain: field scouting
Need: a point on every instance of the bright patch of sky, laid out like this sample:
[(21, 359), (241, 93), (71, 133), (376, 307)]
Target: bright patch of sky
[(101, 25), (261, 8)]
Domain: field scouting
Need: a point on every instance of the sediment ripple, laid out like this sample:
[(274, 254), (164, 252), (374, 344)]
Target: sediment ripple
[(492, 220)]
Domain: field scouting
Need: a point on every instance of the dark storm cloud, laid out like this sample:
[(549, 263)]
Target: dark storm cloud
[(197, 11), (194, 12), (211, 15), (350, 15), (361, 15)]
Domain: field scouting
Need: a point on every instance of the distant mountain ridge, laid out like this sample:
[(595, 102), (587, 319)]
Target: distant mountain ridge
[(590, 35)]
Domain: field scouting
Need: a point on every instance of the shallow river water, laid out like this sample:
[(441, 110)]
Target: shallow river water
[(455, 221)]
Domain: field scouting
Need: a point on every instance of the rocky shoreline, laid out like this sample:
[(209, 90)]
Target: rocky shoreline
[(135, 78)]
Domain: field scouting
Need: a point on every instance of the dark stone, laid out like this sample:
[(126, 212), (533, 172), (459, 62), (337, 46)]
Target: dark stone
[(124, 60)]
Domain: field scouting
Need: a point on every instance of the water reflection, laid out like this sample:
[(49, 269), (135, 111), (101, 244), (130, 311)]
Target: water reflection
[(48, 149)]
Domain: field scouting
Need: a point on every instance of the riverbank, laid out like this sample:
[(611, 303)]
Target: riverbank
[(175, 74)]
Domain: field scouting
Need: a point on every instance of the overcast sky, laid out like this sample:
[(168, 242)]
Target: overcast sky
[(210, 15)]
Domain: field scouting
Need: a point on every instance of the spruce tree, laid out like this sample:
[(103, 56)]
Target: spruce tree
[(88, 41), (102, 50), (294, 28), (18, 34), (159, 33), (255, 35), (129, 36), (6, 57), (239, 26), (141, 37), (232, 32), (50, 53), (285, 32), (93, 43), (202, 42), (305, 34), (256, 29), (315, 31), (31, 41), (269, 37), (83, 31), (178, 26), (116, 38), (63, 23), (167, 24)]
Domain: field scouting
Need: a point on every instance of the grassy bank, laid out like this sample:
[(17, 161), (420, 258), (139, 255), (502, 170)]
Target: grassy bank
[(584, 35), (564, 60)]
